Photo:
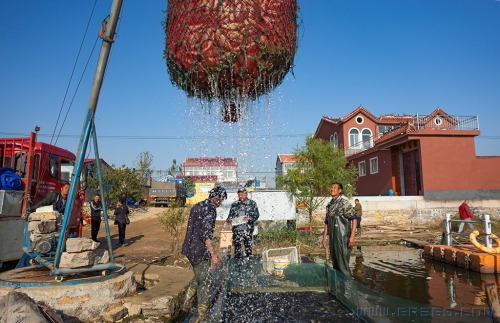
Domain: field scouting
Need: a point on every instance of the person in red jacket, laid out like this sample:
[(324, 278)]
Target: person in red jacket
[(465, 215)]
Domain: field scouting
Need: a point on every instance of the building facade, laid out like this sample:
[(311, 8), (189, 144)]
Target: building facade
[(284, 162), (226, 169), (430, 155)]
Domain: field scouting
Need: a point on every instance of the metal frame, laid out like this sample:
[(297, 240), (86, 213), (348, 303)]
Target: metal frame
[(52, 261)]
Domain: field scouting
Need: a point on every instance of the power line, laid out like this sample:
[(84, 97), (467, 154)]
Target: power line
[(157, 137), (120, 137)]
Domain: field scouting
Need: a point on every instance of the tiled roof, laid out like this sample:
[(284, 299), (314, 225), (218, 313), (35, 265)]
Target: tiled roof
[(90, 160), (286, 158), (203, 178), (360, 109), (331, 120), (392, 119), (397, 131), (207, 161)]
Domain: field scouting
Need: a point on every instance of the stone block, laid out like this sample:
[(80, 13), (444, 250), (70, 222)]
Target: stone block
[(35, 237), (43, 226), (133, 309), (115, 314), (80, 244), (162, 306), (101, 256), (76, 259), (39, 216)]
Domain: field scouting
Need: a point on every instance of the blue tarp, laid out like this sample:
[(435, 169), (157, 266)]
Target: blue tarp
[(9, 180)]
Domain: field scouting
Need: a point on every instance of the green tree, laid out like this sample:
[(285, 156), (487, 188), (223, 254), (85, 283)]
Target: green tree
[(190, 186), (118, 183), (318, 164), (143, 167), (175, 169)]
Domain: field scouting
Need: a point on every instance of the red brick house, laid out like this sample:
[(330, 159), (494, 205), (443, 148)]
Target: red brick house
[(431, 155)]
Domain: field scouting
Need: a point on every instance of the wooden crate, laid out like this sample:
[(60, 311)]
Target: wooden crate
[(226, 238)]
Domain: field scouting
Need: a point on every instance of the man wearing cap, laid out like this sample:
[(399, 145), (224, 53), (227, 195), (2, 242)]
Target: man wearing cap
[(246, 211), (199, 250)]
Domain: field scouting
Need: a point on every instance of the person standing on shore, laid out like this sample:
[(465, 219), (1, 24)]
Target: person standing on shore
[(121, 219), (340, 228), (466, 215), (359, 213), (95, 216), (199, 250)]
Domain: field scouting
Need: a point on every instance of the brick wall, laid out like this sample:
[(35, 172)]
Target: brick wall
[(407, 210)]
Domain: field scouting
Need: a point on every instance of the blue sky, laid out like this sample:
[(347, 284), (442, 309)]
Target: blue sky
[(391, 56)]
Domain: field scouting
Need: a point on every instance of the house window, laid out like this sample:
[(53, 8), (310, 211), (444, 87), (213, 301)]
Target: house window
[(362, 168), (438, 121), (374, 165), (382, 129), (334, 140), (354, 138), (366, 137), (360, 120)]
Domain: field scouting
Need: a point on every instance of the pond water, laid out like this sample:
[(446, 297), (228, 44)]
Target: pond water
[(390, 284), (400, 271)]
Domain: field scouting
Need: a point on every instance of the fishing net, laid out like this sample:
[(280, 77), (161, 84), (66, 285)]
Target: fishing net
[(303, 292), (230, 49)]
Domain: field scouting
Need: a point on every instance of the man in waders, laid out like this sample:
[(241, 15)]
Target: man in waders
[(340, 227)]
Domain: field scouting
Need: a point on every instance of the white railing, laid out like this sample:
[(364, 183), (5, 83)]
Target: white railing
[(446, 122)]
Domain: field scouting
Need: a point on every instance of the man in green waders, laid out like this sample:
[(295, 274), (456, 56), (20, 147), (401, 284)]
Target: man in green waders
[(340, 227)]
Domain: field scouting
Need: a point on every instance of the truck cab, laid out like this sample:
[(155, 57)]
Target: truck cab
[(42, 168)]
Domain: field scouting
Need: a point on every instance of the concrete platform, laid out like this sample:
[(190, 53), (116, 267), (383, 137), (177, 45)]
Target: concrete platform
[(464, 256), (163, 283), (87, 297), (79, 297)]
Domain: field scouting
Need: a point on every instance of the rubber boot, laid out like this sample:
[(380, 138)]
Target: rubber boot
[(203, 313), (188, 299)]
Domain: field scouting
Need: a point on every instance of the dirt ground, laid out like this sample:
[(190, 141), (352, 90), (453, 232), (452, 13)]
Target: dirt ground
[(145, 240)]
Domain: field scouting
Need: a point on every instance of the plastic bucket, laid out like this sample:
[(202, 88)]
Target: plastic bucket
[(279, 266)]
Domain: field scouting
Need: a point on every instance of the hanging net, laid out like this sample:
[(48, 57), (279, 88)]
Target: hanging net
[(230, 49)]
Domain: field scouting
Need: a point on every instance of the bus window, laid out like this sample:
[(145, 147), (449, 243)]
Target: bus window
[(67, 167), (54, 168)]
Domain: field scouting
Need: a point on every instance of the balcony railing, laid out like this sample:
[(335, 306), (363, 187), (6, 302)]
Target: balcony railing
[(421, 122), (446, 122)]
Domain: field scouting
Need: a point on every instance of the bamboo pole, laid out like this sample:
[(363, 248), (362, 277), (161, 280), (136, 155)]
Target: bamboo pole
[(492, 295)]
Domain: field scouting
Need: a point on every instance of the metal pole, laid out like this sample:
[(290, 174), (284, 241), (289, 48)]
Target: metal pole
[(92, 106), (487, 230), (447, 230), (101, 191)]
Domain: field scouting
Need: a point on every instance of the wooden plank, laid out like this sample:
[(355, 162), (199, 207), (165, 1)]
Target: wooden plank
[(418, 243), (492, 295)]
